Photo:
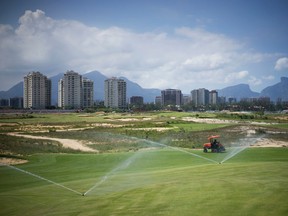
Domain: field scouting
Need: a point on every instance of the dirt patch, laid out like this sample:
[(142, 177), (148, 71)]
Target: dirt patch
[(8, 124), (153, 129), (107, 125), (12, 161), (67, 143), (208, 120), (264, 142)]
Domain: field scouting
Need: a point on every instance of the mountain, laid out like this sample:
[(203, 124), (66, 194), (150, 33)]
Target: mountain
[(238, 92), (15, 91), (133, 89), (98, 79), (279, 90)]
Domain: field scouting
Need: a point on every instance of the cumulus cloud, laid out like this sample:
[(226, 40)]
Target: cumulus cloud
[(281, 64), (185, 58), (236, 76), (254, 81)]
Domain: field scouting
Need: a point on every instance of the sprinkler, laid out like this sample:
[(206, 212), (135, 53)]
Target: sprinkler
[(40, 177)]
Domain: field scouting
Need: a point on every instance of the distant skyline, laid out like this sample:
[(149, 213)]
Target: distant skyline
[(183, 44)]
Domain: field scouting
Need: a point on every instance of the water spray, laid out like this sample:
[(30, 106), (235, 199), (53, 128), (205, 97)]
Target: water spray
[(96, 185), (121, 166), (40, 177), (244, 143), (176, 149)]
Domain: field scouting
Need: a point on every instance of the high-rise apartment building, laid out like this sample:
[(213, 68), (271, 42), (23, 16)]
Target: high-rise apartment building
[(213, 97), (115, 93), (136, 100), (88, 92), (171, 97), (16, 102), (70, 91), (75, 92), (200, 97), (37, 91), (158, 100)]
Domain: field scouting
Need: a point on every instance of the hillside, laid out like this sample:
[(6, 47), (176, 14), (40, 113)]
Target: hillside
[(133, 89), (279, 90), (15, 91), (238, 92)]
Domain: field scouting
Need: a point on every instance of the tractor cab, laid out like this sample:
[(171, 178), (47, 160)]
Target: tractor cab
[(214, 144)]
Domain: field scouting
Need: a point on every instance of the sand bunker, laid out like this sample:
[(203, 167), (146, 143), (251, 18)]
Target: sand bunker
[(67, 143), (208, 120), (12, 161), (264, 142)]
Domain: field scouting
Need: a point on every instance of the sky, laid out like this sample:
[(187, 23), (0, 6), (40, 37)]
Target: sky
[(182, 44)]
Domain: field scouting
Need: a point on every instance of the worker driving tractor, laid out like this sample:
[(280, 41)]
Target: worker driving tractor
[(214, 145)]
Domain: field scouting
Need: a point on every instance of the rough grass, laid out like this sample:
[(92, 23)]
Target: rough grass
[(156, 182), (10, 145)]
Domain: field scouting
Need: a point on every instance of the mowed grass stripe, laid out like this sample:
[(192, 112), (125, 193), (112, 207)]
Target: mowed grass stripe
[(160, 182)]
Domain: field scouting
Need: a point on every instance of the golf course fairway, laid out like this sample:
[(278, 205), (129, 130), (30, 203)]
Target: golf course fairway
[(148, 182)]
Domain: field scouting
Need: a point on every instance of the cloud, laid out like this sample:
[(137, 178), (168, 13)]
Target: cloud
[(185, 58), (270, 77), (236, 76), (254, 81), (206, 61), (281, 64)]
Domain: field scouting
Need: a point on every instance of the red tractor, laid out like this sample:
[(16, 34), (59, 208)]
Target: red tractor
[(214, 145)]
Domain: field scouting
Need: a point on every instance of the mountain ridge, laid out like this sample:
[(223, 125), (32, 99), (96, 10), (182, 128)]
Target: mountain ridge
[(238, 91), (274, 91), (279, 90)]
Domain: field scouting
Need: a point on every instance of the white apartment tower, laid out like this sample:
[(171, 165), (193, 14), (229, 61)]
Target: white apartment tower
[(70, 91), (75, 92), (115, 93), (37, 91)]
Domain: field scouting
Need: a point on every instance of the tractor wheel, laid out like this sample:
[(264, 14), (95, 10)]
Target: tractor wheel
[(205, 150)]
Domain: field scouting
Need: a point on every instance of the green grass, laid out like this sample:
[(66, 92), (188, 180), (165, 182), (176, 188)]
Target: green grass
[(155, 182), (158, 181), (197, 126), (280, 126)]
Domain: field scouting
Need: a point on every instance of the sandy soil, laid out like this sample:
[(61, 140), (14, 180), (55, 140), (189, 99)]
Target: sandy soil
[(8, 124), (220, 121), (131, 119), (208, 120), (264, 142), (152, 129), (12, 161), (67, 143)]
